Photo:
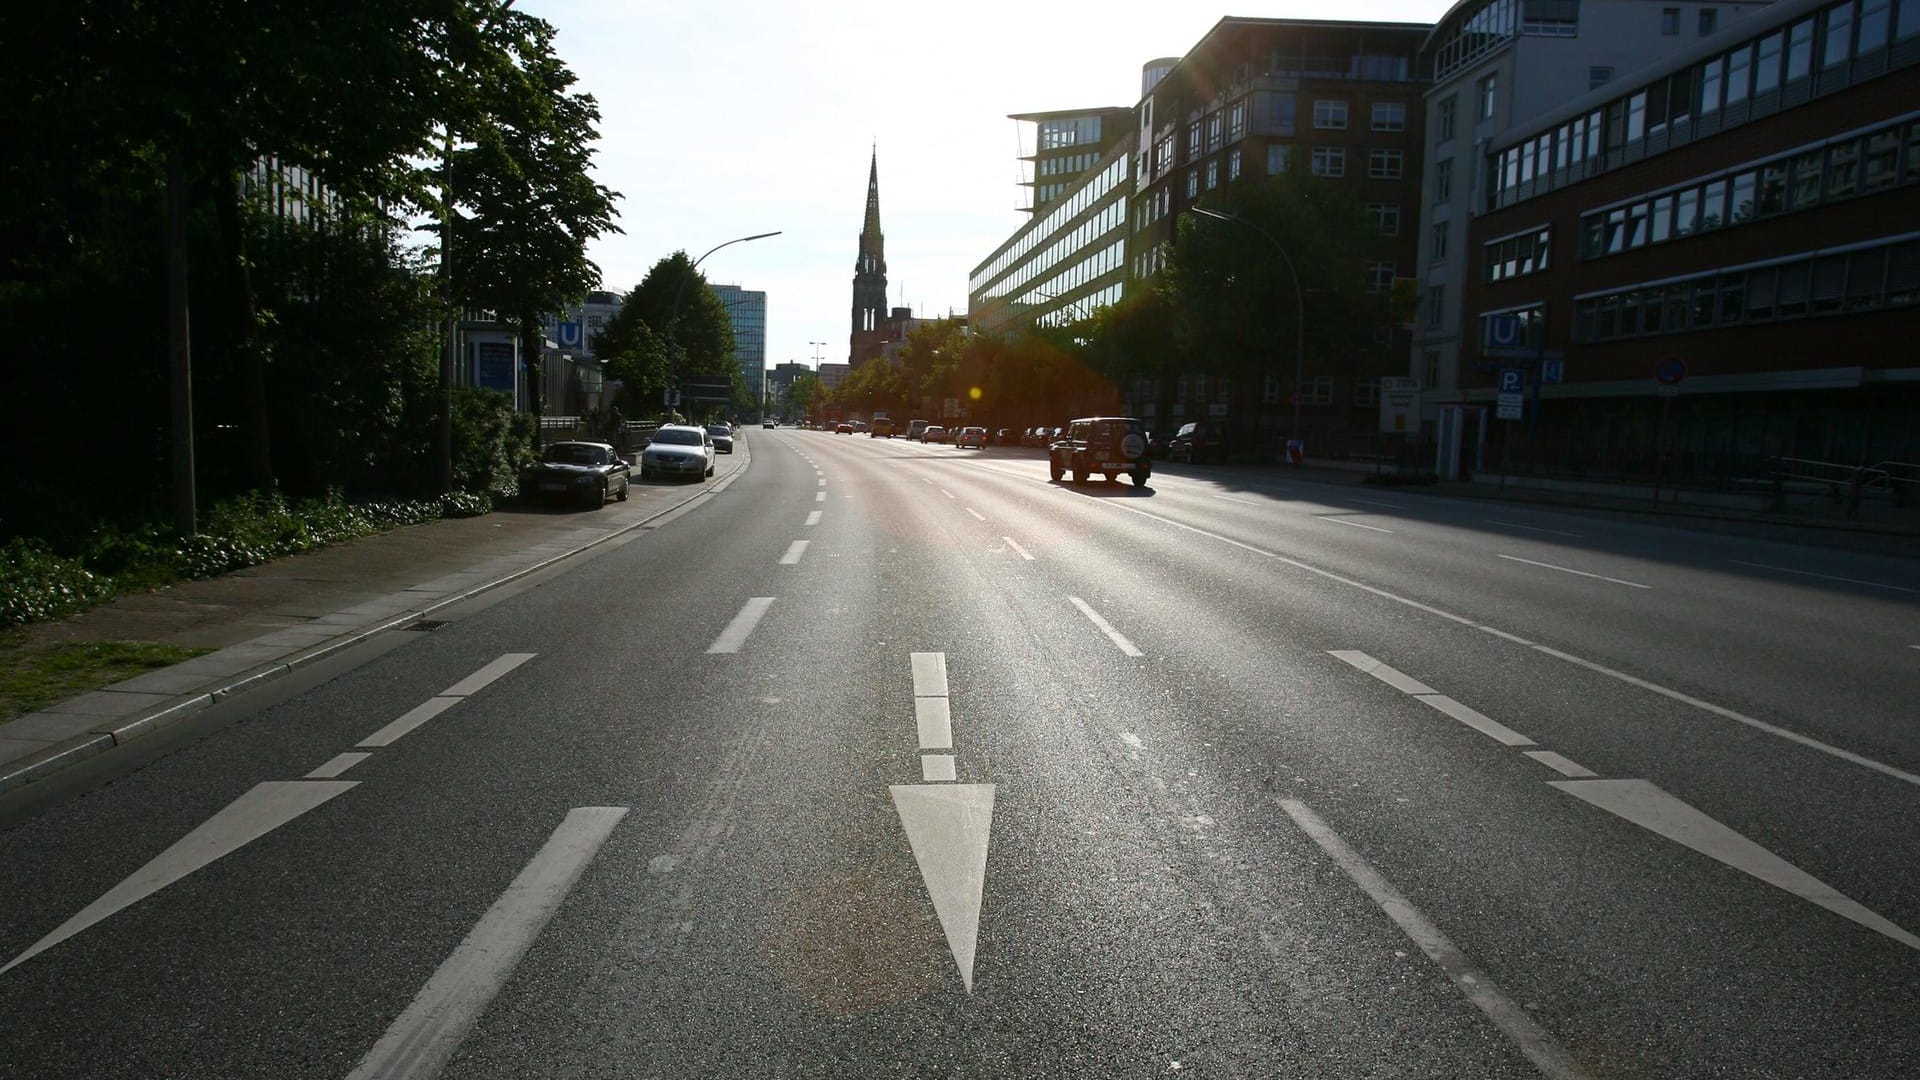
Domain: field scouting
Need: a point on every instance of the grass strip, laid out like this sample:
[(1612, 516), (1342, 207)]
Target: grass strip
[(35, 676)]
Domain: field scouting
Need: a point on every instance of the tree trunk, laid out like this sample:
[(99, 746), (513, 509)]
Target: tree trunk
[(249, 357), (531, 347)]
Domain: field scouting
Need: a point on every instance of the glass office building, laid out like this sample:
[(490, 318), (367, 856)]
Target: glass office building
[(747, 309)]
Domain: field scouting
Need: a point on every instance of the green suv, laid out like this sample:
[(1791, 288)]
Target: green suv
[(1109, 445)]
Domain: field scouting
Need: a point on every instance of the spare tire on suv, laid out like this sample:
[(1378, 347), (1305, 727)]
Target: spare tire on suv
[(1109, 445)]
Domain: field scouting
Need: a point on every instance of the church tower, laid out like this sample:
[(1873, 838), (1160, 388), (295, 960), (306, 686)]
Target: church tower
[(869, 277)]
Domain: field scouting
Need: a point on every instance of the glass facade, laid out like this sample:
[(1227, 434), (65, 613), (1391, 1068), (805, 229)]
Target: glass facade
[(747, 310), (1065, 264)]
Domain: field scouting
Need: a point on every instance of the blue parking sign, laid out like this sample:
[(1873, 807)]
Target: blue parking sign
[(1512, 380)]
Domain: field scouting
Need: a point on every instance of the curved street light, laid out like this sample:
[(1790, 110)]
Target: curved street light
[(1299, 307), (680, 292)]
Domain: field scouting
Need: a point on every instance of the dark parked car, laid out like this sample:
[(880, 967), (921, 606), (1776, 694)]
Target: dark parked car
[(1109, 445), (579, 472), (722, 437), (1200, 440)]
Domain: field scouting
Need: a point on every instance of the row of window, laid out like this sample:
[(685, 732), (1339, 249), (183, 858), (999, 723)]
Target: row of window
[(1331, 115), (1382, 163), (1845, 168), (1516, 256), (1884, 275), (1108, 179), (1052, 290), (1111, 217), (1068, 163), (1069, 131)]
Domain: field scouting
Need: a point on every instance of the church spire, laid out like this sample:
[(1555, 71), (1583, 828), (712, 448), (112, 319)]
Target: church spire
[(869, 275), (872, 225)]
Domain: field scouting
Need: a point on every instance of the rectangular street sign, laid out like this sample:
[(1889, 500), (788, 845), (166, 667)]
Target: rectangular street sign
[(1553, 370), (1508, 412)]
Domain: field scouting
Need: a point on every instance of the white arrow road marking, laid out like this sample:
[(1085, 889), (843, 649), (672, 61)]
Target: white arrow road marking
[(1577, 573), (261, 810), (735, 635), (1106, 628), (336, 765), (1640, 802), (947, 825), (445, 1010), (794, 551), (1539, 1047)]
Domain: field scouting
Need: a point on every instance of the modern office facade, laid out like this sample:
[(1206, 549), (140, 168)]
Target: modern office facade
[(1498, 64), (747, 311), (1725, 250)]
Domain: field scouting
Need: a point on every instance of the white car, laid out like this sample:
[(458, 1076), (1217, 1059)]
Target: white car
[(678, 450)]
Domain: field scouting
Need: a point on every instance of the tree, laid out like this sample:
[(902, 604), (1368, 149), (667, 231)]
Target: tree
[(671, 310), (804, 392)]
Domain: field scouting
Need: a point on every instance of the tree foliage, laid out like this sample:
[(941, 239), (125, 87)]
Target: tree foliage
[(670, 326)]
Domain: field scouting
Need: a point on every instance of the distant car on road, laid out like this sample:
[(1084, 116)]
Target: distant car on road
[(934, 433), (971, 436), (882, 428), (1199, 440), (582, 472), (722, 437), (843, 428), (678, 450), (769, 424), (917, 429), (1109, 445)]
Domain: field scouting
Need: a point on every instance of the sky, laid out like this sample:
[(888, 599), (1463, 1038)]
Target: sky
[(720, 120)]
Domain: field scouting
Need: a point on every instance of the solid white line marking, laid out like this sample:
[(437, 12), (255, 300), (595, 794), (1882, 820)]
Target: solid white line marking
[(819, 496), (813, 518), (1106, 627), (1355, 524), (935, 721), (794, 551), (936, 767), (448, 1006), (1559, 764), (336, 765), (473, 683), (1532, 528), (264, 808), (414, 717), (735, 635), (1393, 677), (1485, 725), (977, 515), (1581, 573), (1022, 552), (948, 827), (1827, 577), (1533, 1040), (1647, 806), (929, 674), (1601, 669)]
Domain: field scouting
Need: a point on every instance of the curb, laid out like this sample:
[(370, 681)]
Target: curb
[(71, 751)]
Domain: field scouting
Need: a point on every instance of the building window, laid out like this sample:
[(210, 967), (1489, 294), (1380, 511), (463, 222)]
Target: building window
[(1316, 390), (1385, 164), (1330, 161), (1517, 256), (1277, 155), (1237, 121), (1213, 133), (1330, 115), (1598, 76), (1443, 119), (1233, 164), (1380, 275), (1443, 180), (1437, 243), (1486, 88), (1670, 22), (1194, 146), (1436, 305), (1389, 116), (1213, 174), (1432, 365), (1386, 217), (1270, 389), (1193, 182), (1709, 20), (1366, 394)]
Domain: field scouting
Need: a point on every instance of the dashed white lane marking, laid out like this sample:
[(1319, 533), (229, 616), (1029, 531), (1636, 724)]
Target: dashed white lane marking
[(1380, 502), (819, 496), (448, 1006), (1559, 764), (929, 674), (936, 768), (1581, 573), (794, 551), (1393, 677), (473, 683), (1531, 528), (934, 717), (735, 635), (1022, 552), (1532, 1040), (336, 765), (814, 517), (822, 482), (1485, 725), (1599, 669), (1243, 502), (977, 515), (1647, 806), (413, 718), (948, 494), (1826, 577), (1106, 627), (1355, 524)]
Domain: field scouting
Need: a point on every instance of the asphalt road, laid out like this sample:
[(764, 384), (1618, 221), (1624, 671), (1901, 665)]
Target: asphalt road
[(896, 760)]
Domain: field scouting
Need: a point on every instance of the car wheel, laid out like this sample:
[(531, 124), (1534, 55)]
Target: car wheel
[(624, 485), (596, 503), (1139, 478), (709, 469), (1056, 469)]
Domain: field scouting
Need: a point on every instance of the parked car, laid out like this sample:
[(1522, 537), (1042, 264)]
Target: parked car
[(678, 450), (582, 472), (1109, 445), (917, 429), (1006, 436), (1198, 440), (882, 428), (934, 433), (722, 437), (975, 437)]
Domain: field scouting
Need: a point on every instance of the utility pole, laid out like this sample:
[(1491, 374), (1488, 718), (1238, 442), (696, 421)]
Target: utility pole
[(180, 347)]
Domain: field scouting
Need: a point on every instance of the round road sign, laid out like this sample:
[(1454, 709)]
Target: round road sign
[(1670, 371)]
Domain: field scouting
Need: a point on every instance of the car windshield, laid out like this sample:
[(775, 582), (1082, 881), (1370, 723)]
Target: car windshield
[(677, 437), (576, 454), (719, 429)]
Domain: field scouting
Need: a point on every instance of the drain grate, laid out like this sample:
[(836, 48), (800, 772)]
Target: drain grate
[(427, 625)]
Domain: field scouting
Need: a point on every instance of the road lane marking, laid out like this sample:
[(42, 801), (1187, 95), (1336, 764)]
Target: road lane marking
[(948, 494), (1378, 502), (1520, 1029), (1022, 552), (1531, 528), (1106, 627), (473, 683), (794, 551), (1653, 809), (735, 635), (947, 826), (1827, 577), (934, 719), (1393, 677), (1600, 669), (819, 496), (813, 518), (977, 515), (447, 1007), (822, 482), (413, 718), (929, 674), (1485, 725), (1581, 573), (1355, 524), (1243, 502), (1559, 764), (936, 768), (336, 765), (262, 809)]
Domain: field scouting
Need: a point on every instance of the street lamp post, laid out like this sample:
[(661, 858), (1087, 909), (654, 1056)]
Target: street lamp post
[(680, 292), (1299, 307)]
